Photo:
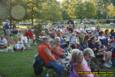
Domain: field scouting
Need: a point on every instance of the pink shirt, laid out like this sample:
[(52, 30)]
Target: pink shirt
[(83, 69)]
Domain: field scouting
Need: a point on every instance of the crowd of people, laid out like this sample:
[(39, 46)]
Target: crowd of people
[(21, 38), (78, 50)]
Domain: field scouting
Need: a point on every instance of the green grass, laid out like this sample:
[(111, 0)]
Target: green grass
[(18, 64)]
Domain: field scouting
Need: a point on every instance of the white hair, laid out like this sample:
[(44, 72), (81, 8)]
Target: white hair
[(89, 51)]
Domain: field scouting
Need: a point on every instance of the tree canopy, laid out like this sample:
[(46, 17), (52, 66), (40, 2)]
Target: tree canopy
[(53, 10)]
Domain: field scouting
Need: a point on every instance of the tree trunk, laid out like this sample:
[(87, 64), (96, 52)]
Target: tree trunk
[(32, 18)]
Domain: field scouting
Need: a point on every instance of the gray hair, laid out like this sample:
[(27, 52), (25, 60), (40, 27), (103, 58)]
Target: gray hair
[(89, 51)]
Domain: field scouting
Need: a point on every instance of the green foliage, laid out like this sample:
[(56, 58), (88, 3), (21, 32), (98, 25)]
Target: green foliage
[(51, 10), (85, 10), (111, 10), (65, 15), (69, 9), (37, 29), (101, 8)]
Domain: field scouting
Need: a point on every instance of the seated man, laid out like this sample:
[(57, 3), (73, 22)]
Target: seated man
[(19, 46), (45, 53), (25, 41), (3, 42)]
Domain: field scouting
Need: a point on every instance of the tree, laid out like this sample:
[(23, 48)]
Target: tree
[(85, 10), (100, 9), (51, 11), (38, 29), (111, 10), (65, 15), (69, 8)]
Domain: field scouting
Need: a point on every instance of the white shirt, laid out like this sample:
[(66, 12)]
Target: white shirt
[(72, 39), (19, 45), (101, 37), (24, 39)]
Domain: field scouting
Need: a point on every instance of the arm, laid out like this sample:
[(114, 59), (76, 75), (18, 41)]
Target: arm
[(51, 57)]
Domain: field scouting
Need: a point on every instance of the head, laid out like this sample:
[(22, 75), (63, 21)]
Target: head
[(112, 30), (106, 31), (53, 35), (93, 39), (42, 33), (44, 39), (1, 37), (88, 54), (57, 40), (101, 33), (73, 46), (86, 38), (77, 56), (29, 30)]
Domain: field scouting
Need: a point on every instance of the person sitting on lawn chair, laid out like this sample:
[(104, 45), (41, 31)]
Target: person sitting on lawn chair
[(3, 42), (45, 53)]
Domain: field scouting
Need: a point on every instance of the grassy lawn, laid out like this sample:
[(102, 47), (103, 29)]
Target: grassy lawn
[(18, 64)]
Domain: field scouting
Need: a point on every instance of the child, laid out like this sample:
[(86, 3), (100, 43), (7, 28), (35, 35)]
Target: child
[(79, 64)]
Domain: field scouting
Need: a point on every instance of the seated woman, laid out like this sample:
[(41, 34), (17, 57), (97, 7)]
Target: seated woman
[(88, 54), (57, 50), (80, 67), (91, 59), (3, 42), (19, 46)]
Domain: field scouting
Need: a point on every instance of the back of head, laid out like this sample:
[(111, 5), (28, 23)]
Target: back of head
[(2, 37), (77, 55)]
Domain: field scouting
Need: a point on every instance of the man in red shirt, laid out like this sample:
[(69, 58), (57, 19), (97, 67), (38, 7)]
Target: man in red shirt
[(29, 34), (45, 53)]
